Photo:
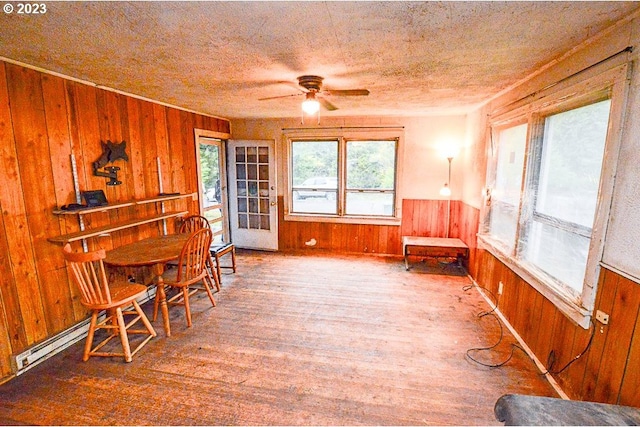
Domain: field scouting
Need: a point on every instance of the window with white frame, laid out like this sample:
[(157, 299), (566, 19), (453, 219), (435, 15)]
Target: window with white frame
[(505, 200), (343, 177), (568, 164), (545, 181)]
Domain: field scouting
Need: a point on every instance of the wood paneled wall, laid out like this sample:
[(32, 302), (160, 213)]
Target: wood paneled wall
[(610, 369), (43, 120), (419, 218)]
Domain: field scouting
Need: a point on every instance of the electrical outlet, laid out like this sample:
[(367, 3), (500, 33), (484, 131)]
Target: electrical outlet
[(602, 317), (500, 288)]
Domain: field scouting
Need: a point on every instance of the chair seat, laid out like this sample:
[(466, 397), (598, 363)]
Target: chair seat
[(220, 247), (121, 294), (170, 277)]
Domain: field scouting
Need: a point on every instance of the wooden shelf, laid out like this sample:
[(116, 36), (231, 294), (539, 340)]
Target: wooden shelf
[(122, 204), (72, 237)]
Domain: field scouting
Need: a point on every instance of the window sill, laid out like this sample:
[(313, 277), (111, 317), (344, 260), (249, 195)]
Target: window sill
[(564, 301), (343, 219)]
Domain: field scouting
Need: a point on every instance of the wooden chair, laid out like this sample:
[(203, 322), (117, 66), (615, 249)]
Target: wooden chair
[(190, 276), (97, 294), (218, 249), (194, 223)]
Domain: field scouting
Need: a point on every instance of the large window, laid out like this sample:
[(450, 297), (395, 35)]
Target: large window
[(370, 183), (342, 177), (314, 166), (545, 182), (569, 164)]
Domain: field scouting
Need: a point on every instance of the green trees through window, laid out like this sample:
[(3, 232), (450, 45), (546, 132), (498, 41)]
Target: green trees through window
[(368, 188)]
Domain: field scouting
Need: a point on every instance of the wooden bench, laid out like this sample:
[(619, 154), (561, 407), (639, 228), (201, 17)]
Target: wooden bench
[(433, 247)]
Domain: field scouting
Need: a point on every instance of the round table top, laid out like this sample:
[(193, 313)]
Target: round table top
[(150, 251)]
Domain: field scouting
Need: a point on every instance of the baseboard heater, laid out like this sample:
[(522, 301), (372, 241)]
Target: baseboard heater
[(29, 358)]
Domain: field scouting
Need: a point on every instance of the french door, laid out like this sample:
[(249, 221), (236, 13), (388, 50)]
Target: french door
[(253, 210)]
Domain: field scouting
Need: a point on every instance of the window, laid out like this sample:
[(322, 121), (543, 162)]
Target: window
[(505, 200), (545, 179), (558, 232), (343, 177), (314, 166), (370, 183)]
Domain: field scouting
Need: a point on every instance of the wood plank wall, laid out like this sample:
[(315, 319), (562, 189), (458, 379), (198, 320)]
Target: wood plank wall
[(610, 369), (419, 218), (43, 120)]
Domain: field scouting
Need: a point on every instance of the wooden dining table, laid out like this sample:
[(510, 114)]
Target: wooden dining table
[(155, 252)]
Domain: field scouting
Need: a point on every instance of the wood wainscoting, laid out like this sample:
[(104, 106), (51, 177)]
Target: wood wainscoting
[(43, 120), (419, 218), (610, 369)]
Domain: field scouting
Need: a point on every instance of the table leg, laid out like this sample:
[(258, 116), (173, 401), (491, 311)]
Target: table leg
[(158, 269), (406, 261)]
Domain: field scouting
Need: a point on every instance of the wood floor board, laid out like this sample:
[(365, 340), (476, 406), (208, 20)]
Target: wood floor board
[(296, 340)]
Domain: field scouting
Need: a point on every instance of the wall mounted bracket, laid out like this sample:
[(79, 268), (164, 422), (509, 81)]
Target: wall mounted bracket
[(112, 174)]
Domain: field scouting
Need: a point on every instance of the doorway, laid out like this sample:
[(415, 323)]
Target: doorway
[(253, 204), (212, 184)]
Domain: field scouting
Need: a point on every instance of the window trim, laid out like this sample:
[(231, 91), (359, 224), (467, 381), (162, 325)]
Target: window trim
[(342, 136), (613, 83)]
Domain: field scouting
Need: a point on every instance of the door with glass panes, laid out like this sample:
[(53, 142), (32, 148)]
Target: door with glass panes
[(213, 185), (253, 210)]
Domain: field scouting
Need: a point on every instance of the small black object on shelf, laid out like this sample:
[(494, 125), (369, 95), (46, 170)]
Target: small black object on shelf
[(73, 207)]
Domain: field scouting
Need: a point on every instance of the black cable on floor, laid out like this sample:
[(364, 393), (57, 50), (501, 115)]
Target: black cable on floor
[(492, 314), (551, 359)]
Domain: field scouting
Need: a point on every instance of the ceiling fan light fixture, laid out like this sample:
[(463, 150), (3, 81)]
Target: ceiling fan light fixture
[(310, 105)]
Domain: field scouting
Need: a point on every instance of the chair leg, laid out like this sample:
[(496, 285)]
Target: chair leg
[(210, 274), (187, 308), (218, 272), (208, 287), (156, 304), (89, 342), (233, 258), (144, 318), (124, 338)]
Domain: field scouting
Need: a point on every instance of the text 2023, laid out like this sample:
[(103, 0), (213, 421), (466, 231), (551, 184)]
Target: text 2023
[(31, 8)]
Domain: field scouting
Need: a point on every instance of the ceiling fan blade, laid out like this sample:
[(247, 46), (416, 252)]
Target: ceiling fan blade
[(346, 92), (281, 96), (326, 104)]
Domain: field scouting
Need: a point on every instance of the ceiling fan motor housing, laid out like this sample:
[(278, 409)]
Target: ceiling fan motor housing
[(311, 83)]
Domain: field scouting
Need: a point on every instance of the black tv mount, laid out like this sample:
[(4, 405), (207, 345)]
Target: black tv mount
[(112, 174), (111, 151)]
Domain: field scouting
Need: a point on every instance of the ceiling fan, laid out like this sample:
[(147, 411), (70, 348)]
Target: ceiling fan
[(315, 94)]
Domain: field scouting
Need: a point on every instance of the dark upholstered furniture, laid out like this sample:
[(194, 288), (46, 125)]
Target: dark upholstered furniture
[(514, 409)]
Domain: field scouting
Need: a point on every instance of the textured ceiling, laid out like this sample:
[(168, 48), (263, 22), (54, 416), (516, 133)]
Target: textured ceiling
[(220, 58)]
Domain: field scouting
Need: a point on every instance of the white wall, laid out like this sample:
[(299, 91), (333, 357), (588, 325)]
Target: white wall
[(622, 242), (425, 167)]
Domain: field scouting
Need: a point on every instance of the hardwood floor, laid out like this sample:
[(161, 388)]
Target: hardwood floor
[(295, 339)]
